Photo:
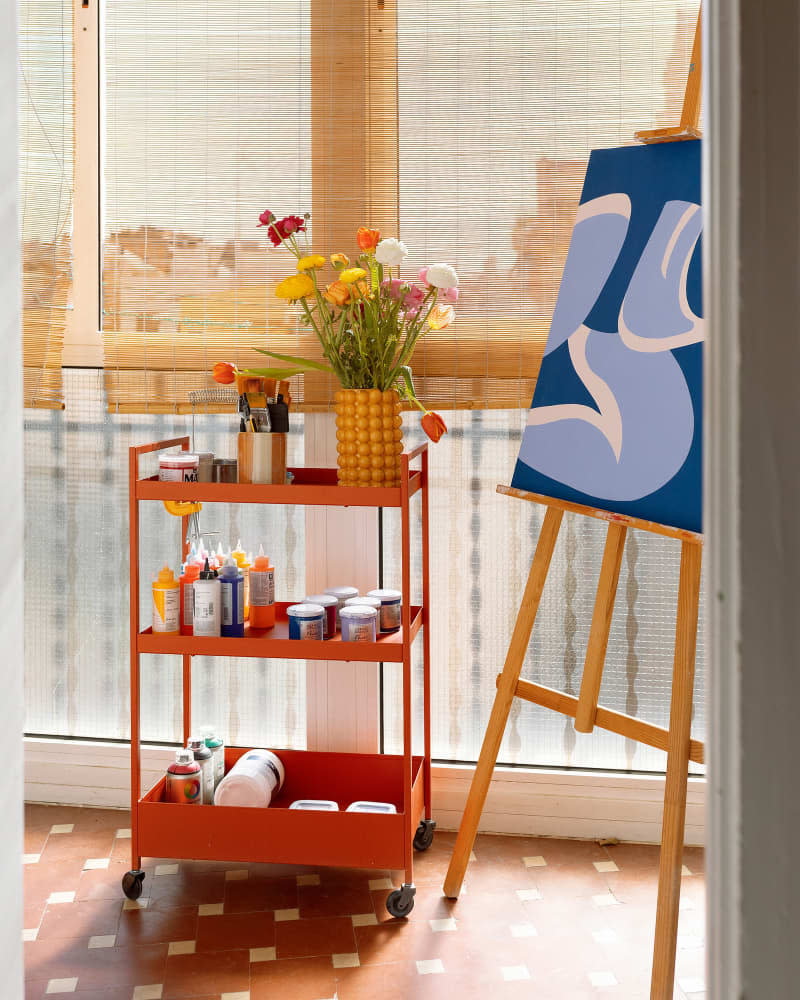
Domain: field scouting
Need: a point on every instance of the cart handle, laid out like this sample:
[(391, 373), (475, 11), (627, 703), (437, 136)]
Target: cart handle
[(416, 451)]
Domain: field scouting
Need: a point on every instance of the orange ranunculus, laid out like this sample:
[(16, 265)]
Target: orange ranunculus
[(340, 260), (338, 293), (224, 372), (368, 239), (433, 425)]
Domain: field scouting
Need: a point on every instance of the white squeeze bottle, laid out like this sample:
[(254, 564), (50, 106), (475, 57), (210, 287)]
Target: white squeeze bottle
[(251, 781), (207, 603)]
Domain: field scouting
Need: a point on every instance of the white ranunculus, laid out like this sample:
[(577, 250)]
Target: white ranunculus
[(442, 276), (391, 252)]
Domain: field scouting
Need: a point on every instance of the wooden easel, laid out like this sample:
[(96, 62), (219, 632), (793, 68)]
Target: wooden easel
[(676, 740)]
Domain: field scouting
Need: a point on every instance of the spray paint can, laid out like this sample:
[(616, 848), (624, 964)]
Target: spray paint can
[(185, 780), (205, 758), (216, 745)]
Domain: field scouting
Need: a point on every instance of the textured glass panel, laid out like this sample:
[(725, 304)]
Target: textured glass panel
[(482, 544), (77, 583)]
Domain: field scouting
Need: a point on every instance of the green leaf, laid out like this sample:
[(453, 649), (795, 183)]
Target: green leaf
[(278, 373), (304, 362)]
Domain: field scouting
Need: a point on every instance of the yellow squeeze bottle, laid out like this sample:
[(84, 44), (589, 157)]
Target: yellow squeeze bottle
[(166, 603), (244, 562)]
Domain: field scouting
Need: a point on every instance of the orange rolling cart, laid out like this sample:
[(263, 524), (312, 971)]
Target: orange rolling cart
[(280, 835)]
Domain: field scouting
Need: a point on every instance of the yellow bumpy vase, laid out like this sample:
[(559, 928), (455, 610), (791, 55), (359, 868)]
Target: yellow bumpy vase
[(369, 437)]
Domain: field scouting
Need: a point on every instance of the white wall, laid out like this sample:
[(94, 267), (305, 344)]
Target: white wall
[(11, 523), (753, 498)]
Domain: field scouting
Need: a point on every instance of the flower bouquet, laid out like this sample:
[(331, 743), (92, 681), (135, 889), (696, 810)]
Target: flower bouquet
[(368, 322)]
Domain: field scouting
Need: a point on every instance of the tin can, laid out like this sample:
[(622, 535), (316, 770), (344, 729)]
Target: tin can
[(225, 470), (389, 619), (305, 621)]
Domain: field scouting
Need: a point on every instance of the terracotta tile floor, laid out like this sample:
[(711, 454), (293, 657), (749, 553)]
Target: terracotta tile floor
[(551, 919)]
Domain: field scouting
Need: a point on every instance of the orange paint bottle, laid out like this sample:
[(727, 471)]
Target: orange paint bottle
[(262, 592), (190, 573)]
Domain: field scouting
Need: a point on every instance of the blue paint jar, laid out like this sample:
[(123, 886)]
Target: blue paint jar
[(389, 616), (306, 621), (231, 581)]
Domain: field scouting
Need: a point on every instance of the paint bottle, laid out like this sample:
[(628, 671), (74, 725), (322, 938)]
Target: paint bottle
[(190, 573), (262, 592), (251, 781), (217, 747), (244, 562), (232, 583), (184, 780), (205, 758), (207, 603), (166, 603)]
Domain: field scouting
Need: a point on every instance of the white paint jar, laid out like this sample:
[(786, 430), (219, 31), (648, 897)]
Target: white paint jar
[(359, 623)]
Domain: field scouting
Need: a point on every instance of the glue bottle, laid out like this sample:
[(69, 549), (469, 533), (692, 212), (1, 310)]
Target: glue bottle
[(166, 603), (244, 562), (232, 581), (207, 603), (262, 592)]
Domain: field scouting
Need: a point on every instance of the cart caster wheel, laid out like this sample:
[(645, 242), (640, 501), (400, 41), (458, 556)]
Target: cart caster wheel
[(401, 902), (423, 838), (132, 883)]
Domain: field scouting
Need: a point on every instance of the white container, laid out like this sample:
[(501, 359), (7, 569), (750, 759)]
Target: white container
[(306, 621), (207, 605), (341, 594), (359, 623), (389, 619), (178, 467), (322, 805), (368, 602), (251, 781), (364, 806)]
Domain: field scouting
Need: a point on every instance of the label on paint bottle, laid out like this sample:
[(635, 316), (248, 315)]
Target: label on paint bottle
[(262, 588), (188, 604), (167, 605), (231, 601)]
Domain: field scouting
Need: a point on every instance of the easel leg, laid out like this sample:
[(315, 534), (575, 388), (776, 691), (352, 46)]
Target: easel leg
[(502, 703), (669, 875)]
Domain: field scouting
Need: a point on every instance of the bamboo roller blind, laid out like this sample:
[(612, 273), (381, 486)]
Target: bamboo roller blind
[(46, 184), (463, 126)]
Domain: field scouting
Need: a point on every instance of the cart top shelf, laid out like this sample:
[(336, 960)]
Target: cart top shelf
[(311, 487)]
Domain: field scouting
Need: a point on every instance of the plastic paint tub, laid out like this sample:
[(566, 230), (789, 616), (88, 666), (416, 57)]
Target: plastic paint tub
[(364, 602), (330, 605), (323, 805), (341, 594), (359, 623), (178, 467), (364, 806), (305, 621), (389, 619)]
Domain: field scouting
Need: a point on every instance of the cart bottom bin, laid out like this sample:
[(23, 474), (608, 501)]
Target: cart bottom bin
[(280, 835)]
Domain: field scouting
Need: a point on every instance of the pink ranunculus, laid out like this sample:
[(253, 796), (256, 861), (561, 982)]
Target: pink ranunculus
[(423, 274), (450, 294), (395, 287), (414, 297)]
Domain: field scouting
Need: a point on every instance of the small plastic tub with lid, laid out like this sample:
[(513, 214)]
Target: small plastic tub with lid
[(369, 602), (359, 623), (178, 467), (341, 594), (389, 617), (365, 806), (322, 805), (331, 606), (305, 621)]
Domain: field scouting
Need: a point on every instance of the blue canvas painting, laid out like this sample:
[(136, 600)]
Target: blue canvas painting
[(616, 418)]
